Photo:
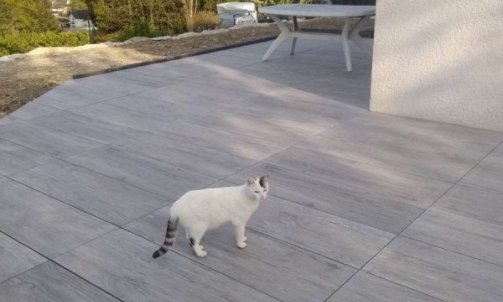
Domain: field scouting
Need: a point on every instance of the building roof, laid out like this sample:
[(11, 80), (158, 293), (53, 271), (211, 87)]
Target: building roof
[(81, 14)]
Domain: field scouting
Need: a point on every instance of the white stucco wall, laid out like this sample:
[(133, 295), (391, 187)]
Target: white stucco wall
[(440, 60)]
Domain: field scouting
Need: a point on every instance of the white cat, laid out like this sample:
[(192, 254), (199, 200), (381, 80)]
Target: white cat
[(202, 210)]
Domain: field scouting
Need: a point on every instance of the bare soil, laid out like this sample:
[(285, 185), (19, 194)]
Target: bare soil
[(29, 76)]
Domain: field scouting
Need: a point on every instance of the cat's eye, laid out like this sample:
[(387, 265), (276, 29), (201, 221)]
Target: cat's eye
[(257, 192)]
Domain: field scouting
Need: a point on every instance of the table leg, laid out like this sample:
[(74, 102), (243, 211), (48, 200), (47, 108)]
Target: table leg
[(355, 35), (345, 44), (294, 40), (283, 36)]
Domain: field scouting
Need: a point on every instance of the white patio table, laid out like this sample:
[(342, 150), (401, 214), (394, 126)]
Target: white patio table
[(346, 12)]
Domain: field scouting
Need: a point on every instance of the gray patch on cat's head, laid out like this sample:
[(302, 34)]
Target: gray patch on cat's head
[(258, 186), (263, 181)]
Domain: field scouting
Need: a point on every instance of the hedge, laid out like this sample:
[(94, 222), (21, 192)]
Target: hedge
[(24, 42)]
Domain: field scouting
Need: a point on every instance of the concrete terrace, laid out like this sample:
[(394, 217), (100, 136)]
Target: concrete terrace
[(363, 206)]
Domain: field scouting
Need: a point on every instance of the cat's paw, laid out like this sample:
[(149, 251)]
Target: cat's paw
[(241, 245), (201, 254), (244, 239)]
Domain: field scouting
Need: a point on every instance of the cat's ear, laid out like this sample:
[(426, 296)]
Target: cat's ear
[(250, 181), (263, 181)]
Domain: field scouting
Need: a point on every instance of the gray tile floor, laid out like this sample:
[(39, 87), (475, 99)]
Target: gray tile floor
[(363, 206)]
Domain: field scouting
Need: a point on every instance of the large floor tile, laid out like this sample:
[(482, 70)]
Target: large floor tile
[(303, 123), (238, 144), (334, 237), (46, 225), (364, 287), (109, 199), (73, 94), (284, 113), (436, 152), (207, 96), (142, 77), (33, 110), (162, 110), (384, 182), (474, 202), (121, 263), (438, 272), (16, 158), (90, 90), (269, 130), (6, 120), (15, 258), (498, 152), (279, 269), (488, 173), (284, 74), (51, 283), (343, 199), (85, 127), (147, 173), (172, 72), (353, 88), (206, 161), (49, 141), (124, 117), (461, 234), (226, 58)]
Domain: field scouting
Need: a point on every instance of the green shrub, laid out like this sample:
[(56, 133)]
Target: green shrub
[(26, 16), (123, 19), (206, 20), (24, 42), (139, 29), (175, 25)]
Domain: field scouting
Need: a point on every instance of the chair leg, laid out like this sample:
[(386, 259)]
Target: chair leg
[(294, 40), (279, 40), (345, 45), (285, 34)]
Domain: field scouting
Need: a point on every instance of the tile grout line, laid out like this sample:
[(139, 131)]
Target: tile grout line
[(422, 213), (116, 226), (50, 260), (26, 147), (127, 183), (62, 201), (93, 103), (26, 246), (452, 251), (404, 286), (340, 286), (147, 132), (299, 247), (87, 281), (201, 264)]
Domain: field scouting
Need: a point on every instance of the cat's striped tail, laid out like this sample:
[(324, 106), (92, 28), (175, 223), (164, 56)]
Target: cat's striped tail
[(170, 238)]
